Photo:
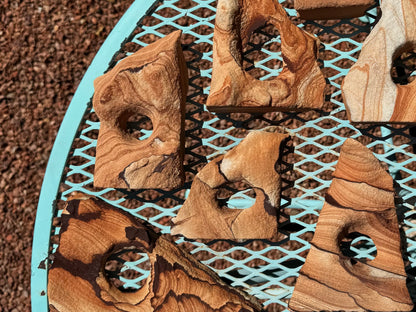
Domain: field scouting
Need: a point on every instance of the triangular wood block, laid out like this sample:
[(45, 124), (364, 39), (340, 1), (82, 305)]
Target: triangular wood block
[(254, 161), (332, 281), (299, 86), (92, 230), (331, 9), (152, 82), (370, 95)]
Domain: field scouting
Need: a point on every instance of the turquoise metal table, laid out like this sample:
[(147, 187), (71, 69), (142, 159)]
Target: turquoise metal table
[(266, 270)]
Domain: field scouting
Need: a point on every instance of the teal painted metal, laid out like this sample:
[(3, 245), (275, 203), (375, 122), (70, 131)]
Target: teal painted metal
[(263, 268), (62, 145)]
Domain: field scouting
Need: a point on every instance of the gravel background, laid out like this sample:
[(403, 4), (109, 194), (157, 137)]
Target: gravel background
[(45, 49)]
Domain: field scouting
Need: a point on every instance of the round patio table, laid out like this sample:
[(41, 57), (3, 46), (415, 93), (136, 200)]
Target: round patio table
[(264, 269)]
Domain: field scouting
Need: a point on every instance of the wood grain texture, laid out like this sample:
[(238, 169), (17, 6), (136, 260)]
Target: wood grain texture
[(331, 9), (254, 161), (152, 82), (370, 95), (92, 230), (299, 86), (331, 281)]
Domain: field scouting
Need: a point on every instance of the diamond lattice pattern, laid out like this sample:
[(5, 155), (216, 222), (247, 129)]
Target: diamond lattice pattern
[(266, 270)]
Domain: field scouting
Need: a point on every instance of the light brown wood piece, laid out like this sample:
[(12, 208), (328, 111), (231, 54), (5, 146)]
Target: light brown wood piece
[(370, 95), (253, 161), (151, 82), (92, 230), (331, 9), (331, 281), (299, 86)]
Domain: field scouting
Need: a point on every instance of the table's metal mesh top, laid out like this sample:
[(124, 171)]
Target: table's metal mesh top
[(266, 270)]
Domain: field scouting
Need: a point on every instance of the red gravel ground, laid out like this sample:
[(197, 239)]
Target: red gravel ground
[(45, 48)]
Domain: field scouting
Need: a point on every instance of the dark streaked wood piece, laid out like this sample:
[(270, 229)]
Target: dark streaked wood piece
[(253, 161), (370, 94), (331, 9), (299, 86), (92, 230), (360, 199), (152, 82)]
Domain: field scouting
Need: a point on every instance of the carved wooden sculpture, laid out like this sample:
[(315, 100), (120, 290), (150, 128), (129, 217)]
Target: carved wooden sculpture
[(370, 95), (331, 9), (254, 161), (151, 82), (360, 199), (92, 230), (299, 86)]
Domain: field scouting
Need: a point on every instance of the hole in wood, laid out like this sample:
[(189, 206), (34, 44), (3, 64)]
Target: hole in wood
[(237, 195), (358, 247), (127, 269), (139, 126), (403, 70), (136, 125), (264, 43)]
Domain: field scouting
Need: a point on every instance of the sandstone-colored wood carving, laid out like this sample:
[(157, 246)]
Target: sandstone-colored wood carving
[(254, 161), (360, 199), (331, 9), (370, 95), (299, 86), (152, 82), (92, 230)]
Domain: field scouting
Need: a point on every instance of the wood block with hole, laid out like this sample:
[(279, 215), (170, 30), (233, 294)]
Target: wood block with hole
[(152, 83), (370, 94), (331, 9), (300, 84), (359, 201), (255, 160), (93, 230)]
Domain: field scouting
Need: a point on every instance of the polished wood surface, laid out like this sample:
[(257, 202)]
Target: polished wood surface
[(331, 9), (370, 95), (153, 83), (92, 230), (253, 161), (359, 200), (299, 86)]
